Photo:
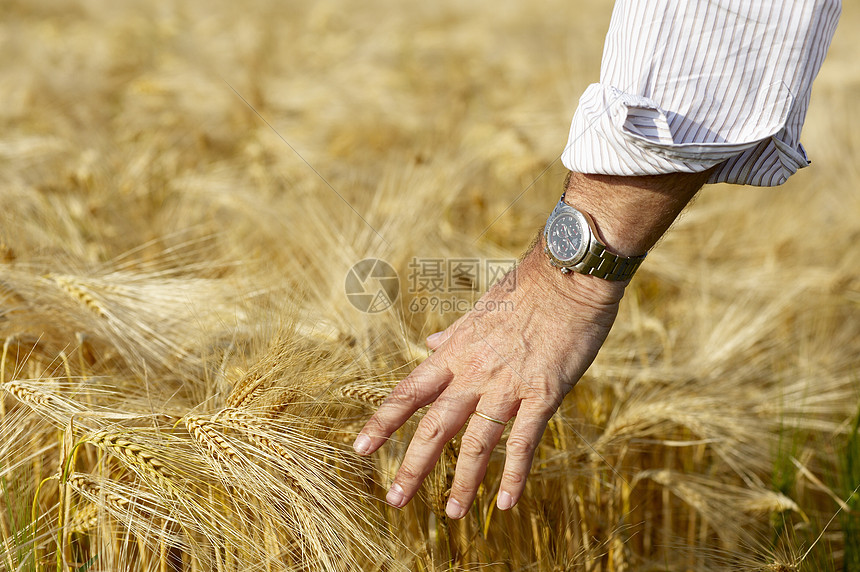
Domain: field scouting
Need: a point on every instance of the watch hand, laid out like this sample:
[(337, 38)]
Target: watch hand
[(567, 236)]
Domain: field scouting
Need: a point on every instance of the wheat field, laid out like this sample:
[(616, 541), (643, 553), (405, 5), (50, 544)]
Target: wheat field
[(185, 186)]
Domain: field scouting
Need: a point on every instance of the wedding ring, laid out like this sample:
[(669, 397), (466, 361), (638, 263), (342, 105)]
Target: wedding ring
[(488, 418)]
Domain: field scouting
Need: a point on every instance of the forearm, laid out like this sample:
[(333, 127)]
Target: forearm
[(632, 213)]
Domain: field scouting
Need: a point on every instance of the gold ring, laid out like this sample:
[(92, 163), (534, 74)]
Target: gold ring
[(488, 418)]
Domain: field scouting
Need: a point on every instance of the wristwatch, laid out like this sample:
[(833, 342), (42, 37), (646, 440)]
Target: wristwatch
[(572, 246)]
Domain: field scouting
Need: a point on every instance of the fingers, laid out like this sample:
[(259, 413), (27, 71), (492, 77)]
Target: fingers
[(422, 386), (476, 446), (433, 341), (438, 426), (525, 436)]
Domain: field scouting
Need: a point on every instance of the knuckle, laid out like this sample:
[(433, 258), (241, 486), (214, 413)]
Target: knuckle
[(446, 352), (451, 398), (373, 426), (472, 372), (406, 392), (464, 492), (380, 424), (513, 479), (408, 474), (478, 365), (472, 447), (519, 448), (545, 401), (431, 427)]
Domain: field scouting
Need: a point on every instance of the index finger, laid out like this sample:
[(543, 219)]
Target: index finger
[(422, 386)]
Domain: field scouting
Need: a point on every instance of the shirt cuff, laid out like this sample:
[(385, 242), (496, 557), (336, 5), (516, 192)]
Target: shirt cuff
[(618, 133)]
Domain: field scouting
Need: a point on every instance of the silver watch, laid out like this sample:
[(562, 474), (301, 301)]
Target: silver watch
[(572, 246)]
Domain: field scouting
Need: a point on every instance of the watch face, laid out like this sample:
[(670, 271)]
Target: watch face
[(565, 239)]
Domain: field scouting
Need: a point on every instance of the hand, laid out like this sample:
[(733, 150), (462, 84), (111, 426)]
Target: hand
[(517, 354), (522, 349)]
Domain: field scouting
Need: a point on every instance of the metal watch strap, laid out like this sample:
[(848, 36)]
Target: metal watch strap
[(601, 263)]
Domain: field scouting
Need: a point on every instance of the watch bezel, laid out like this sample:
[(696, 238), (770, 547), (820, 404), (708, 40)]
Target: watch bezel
[(587, 234)]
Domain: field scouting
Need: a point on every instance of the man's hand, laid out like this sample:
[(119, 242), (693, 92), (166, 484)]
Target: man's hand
[(519, 359)]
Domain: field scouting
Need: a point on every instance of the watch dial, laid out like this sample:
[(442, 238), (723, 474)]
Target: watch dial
[(565, 237)]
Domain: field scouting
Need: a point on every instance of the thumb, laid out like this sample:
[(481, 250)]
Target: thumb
[(433, 341)]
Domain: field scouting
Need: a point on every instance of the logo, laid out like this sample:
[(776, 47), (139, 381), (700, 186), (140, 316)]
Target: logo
[(372, 285)]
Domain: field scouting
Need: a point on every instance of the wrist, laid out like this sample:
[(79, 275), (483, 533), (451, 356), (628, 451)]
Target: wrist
[(572, 287)]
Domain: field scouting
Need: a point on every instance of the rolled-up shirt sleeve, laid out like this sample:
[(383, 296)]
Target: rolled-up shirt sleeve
[(689, 85)]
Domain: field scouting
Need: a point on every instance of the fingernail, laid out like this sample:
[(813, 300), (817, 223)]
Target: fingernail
[(454, 509), (433, 338), (505, 501), (395, 496), (362, 444)]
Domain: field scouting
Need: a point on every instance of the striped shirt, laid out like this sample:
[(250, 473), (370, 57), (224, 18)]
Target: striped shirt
[(687, 85)]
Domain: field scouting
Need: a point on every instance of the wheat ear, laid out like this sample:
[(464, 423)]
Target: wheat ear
[(250, 427), (246, 391), (28, 395), (88, 488), (70, 286), (204, 432), (85, 518), (137, 457), (369, 393)]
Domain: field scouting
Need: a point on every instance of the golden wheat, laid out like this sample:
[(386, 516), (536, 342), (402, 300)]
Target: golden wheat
[(183, 372), (143, 461), (88, 487), (85, 518), (79, 292), (369, 393), (204, 432)]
